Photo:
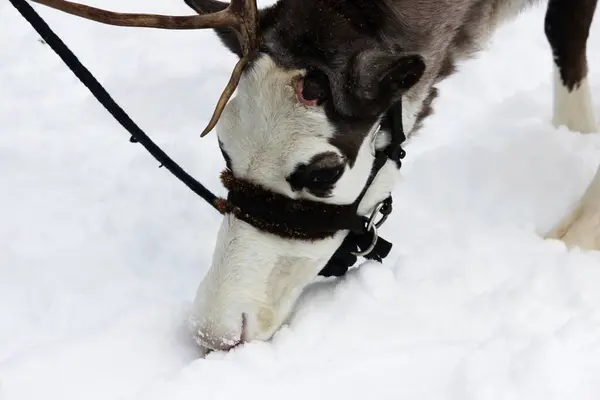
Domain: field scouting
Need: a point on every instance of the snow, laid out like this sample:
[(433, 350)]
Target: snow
[(101, 251)]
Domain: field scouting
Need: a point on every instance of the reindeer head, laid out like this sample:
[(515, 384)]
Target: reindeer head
[(314, 81), (303, 124)]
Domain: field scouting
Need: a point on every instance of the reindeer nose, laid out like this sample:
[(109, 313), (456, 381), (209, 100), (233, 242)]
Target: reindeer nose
[(207, 337)]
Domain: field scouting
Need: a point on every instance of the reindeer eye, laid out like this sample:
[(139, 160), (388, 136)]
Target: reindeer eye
[(318, 176), (326, 175)]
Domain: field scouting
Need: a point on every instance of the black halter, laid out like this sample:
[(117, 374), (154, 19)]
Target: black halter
[(264, 209), (312, 220)]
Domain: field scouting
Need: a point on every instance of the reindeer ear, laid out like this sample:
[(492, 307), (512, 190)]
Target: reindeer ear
[(383, 77), (227, 36)]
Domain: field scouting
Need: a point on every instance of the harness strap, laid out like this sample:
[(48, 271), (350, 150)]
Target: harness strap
[(85, 76), (344, 258), (393, 123)]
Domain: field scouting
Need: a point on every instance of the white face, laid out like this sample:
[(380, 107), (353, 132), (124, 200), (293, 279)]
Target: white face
[(267, 131)]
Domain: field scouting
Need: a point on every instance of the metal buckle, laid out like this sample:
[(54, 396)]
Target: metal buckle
[(372, 227), (371, 247), (377, 210)]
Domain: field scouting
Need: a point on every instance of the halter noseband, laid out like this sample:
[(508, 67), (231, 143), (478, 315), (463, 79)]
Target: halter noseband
[(304, 219)]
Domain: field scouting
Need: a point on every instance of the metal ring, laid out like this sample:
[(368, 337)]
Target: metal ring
[(371, 222), (372, 246)]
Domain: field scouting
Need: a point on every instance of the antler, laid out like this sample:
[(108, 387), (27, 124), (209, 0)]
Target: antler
[(241, 16)]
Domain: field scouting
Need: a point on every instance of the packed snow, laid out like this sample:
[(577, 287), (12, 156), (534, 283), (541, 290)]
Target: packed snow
[(101, 251)]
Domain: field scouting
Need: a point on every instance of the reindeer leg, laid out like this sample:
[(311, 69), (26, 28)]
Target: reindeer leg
[(581, 227), (567, 28)]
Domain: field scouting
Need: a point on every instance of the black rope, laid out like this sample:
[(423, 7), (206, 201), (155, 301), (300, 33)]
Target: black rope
[(84, 75)]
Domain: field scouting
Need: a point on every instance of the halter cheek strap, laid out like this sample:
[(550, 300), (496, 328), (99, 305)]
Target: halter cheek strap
[(379, 248)]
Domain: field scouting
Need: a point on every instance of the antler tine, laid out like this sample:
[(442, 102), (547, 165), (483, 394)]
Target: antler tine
[(241, 16), (247, 34), (226, 95)]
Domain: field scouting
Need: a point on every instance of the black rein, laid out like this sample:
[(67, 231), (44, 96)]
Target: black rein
[(86, 77)]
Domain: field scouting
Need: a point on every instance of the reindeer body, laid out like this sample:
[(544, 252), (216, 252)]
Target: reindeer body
[(443, 32), (448, 31), (357, 58)]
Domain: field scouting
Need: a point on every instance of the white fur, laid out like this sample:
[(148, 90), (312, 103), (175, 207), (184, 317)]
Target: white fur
[(267, 132), (573, 109), (256, 274), (581, 227)]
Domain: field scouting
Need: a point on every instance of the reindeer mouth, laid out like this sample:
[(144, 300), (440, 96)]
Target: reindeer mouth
[(208, 344)]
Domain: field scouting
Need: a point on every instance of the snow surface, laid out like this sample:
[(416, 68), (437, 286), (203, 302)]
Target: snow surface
[(101, 251)]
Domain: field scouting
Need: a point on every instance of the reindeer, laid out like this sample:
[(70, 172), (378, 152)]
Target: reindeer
[(315, 85)]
